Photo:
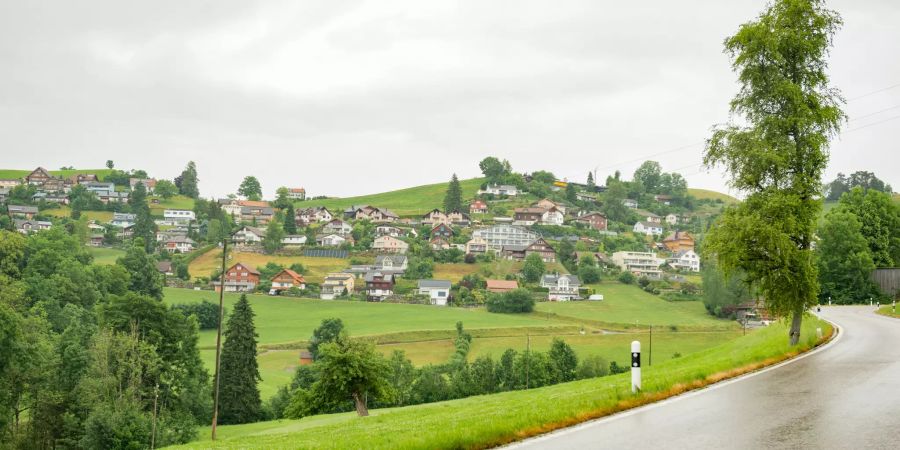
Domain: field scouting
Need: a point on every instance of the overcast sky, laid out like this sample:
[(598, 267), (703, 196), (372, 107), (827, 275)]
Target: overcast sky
[(356, 97)]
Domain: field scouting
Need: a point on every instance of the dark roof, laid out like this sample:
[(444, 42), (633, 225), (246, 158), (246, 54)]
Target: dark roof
[(439, 284), (13, 209)]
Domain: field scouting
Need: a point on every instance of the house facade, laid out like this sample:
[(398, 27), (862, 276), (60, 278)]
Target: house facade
[(641, 264), (441, 230), (686, 260), (478, 207), (553, 216), (337, 284), (389, 244), (561, 287), (179, 244), (594, 220), (647, 228), (500, 286), (527, 216), (287, 279), (391, 263), (438, 291), (671, 219), (261, 215), (520, 252), (331, 240), (296, 193), (179, 215), (293, 240), (337, 226), (379, 285), (498, 236), (679, 241), (22, 211), (503, 189), (249, 236), (149, 183), (476, 246), (240, 278)]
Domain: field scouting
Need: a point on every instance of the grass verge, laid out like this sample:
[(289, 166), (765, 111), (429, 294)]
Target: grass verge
[(491, 420), (887, 310)]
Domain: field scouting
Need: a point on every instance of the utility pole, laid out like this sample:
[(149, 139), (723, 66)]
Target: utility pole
[(215, 417), (650, 356), (527, 357), (153, 433)]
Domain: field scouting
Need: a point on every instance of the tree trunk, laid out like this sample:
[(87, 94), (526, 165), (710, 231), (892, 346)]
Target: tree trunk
[(360, 405), (795, 326)]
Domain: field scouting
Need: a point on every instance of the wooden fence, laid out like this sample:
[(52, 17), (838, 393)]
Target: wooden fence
[(888, 280)]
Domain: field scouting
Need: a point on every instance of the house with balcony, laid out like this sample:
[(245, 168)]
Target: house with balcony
[(501, 235), (561, 287), (287, 279), (293, 240), (379, 285), (520, 252), (337, 284), (389, 244), (500, 190), (641, 264), (678, 241), (648, 228), (179, 216), (478, 207), (476, 246), (179, 244), (240, 278), (296, 193), (593, 220), (686, 260)]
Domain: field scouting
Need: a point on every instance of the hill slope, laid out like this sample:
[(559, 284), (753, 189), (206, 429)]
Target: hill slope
[(701, 194), (17, 173), (409, 201)]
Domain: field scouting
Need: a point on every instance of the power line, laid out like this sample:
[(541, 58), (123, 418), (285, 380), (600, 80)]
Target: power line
[(871, 124), (874, 92), (644, 157), (873, 113)]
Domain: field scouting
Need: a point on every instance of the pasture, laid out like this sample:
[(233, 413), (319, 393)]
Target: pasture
[(316, 268), (405, 202)]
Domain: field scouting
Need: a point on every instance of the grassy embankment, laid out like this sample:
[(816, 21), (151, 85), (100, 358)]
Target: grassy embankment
[(405, 202), (887, 310), (490, 420), (21, 173), (701, 194), (316, 268), (106, 256)]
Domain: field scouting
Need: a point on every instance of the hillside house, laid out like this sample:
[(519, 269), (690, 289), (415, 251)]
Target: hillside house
[(332, 240), (96, 240), (293, 240), (500, 286), (231, 206), (498, 236), (553, 216), (685, 260), (107, 197), (38, 177), (315, 214), (441, 231), (149, 183), (527, 216), (593, 220), (388, 230), (179, 244), (389, 244), (678, 241), (165, 268), (503, 189), (664, 199), (652, 218), (391, 263), (586, 197), (31, 226), (630, 203), (240, 278), (478, 207), (287, 279), (549, 204), (436, 217), (9, 183), (337, 226), (296, 193), (520, 252), (260, 215), (379, 285), (476, 246), (641, 264), (248, 236), (671, 219), (22, 211), (439, 243), (373, 214), (438, 291), (647, 228), (179, 216), (336, 284), (561, 287), (4, 194)]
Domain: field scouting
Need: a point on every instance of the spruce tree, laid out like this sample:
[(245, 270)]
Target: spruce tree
[(239, 400), (590, 182), (453, 199), (290, 219), (187, 181)]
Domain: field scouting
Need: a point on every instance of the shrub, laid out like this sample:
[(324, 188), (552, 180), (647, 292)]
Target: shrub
[(515, 301), (207, 313), (626, 278)]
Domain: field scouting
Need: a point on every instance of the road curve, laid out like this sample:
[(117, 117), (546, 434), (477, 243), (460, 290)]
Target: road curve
[(846, 396)]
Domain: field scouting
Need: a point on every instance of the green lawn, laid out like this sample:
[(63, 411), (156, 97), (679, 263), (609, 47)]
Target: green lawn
[(496, 269), (21, 173), (624, 305), (65, 211), (887, 310), (491, 420), (316, 268), (176, 202), (282, 320), (104, 255), (701, 194), (405, 202)]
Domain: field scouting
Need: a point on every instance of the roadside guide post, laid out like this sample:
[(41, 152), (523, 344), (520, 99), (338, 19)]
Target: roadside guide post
[(635, 366)]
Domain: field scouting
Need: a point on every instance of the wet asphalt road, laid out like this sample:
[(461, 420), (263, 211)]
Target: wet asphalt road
[(845, 396)]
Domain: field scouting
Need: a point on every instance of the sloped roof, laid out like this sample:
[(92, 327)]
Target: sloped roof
[(436, 284), (502, 284)]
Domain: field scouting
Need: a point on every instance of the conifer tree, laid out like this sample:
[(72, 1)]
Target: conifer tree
[(290, 219), (453, 199), (239, 400)]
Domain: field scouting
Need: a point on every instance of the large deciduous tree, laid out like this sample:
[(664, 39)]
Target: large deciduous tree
[(777, 153), (845, 261), (352, 369), (328, 331), (239, 372), (250, 188), (879, 217)]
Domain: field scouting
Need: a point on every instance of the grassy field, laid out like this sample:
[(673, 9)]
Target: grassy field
[(316, 268), (701, 194), (16, 173), (887, 310), (65, 211), (176, 202), (623, 305), (282, 320), (104, 255), (491, 420), (495, 269), (405, 202)]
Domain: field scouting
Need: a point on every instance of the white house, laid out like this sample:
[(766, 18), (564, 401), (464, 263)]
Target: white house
[(249, 236), (391, 263), (388, 230), (123, 220), (179, 215), (629, 203), (330, 240), (562, 287), (685, 260), (389, 244), (436, 290), (293, 240), (650, 229), (179, 244), (553, 216), (501, 189), (337, 226), (639, 263), (671, 219)]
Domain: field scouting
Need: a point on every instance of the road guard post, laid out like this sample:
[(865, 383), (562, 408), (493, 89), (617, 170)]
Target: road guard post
[(635, 366)]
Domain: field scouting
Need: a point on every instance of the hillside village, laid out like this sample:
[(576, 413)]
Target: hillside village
[(559, 236)]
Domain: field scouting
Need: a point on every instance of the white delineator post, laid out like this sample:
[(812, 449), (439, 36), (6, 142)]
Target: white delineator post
[(635, 366)]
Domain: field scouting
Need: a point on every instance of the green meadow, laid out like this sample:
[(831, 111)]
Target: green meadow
[(405, 202)]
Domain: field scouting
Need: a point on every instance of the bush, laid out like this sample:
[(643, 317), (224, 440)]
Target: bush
[(515, 301), (626, 278), (207, 313)]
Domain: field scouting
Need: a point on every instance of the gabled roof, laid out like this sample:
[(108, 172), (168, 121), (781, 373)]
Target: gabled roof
[(554, 279), (649, 224), (22, 209), (386, 276), (294, 275), (249, 269), (434, 284), (502, 284), (265, 210), (678, 235), (397, 260)]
